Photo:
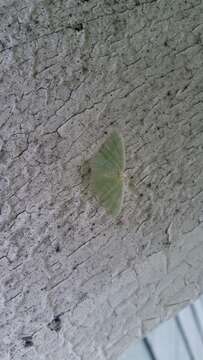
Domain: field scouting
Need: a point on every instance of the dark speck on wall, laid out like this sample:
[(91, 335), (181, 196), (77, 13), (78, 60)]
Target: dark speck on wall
[(27, 341), (57, 248), (28, 28), (55, 324), (84, 69), (78, 27), (2, 44)]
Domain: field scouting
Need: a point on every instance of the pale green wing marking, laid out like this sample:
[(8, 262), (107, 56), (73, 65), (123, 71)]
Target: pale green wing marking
[(109, 192), (111, 155), (107, 167)]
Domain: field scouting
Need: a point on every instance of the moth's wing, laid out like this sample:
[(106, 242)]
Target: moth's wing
[(109, 192), (115, 144), (110, 159)]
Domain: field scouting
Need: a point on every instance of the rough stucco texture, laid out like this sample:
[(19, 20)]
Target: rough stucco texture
[(75, 284)]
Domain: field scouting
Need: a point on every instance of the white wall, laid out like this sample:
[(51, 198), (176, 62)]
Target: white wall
[(70, 71)]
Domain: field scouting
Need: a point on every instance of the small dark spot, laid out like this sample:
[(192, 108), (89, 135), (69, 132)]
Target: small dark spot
[(2, 44), (179, 181), (78, 27), (55, 324), (75, 267), (70, 15), (149, 185), (57, 248), (84, 69), (105, 132), (137, 3), (28, 28), (177, 211), (166, 243), (158, 128), (112, 122), (131, 177), (165, 43), (27, 341), (70, 228), (185, 87), (168, 93), (89, 170), (36, 21), (58, 226), (141, 194), (9, 25)]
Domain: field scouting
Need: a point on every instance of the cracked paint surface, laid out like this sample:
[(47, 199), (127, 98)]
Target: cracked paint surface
[(74, 283)]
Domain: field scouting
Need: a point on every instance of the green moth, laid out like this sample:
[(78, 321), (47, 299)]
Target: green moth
[(107, 173)]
